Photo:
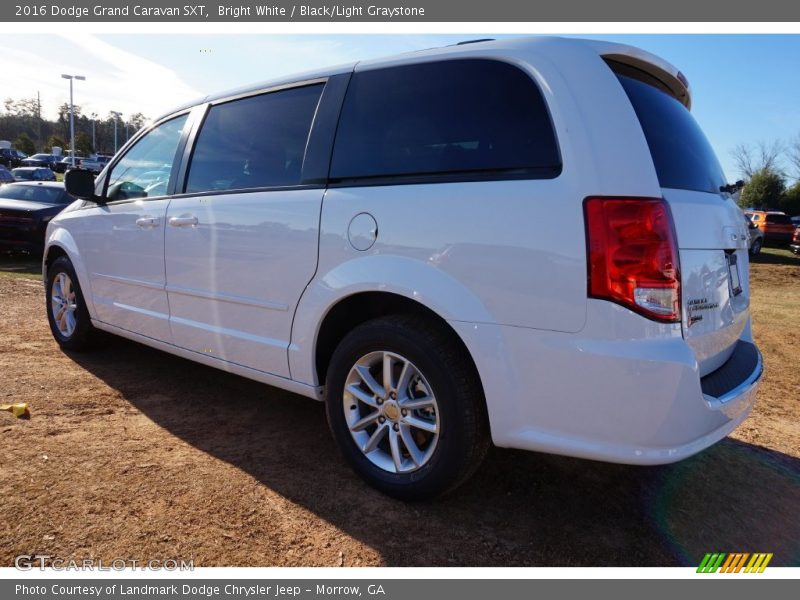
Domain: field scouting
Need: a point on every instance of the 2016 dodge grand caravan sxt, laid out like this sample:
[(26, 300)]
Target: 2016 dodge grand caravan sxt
[(373, 235)]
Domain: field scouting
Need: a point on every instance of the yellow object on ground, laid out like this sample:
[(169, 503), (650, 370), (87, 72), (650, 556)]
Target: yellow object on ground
[(19, 410)]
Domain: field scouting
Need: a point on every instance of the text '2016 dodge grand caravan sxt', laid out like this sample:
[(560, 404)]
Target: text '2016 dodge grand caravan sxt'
[(373, 235)]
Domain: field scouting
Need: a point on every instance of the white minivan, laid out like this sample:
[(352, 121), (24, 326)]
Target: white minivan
[(527, 242)]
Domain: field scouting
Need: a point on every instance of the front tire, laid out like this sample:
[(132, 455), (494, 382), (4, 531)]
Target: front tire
[(755, 249), (67, 314), (406, 407)]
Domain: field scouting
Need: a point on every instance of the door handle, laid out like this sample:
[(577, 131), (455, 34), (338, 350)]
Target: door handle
[(146, 222), (183, 221)]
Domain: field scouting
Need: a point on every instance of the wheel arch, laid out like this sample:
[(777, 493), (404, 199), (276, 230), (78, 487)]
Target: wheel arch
[(375, 285), (350, 311), (61, 243)]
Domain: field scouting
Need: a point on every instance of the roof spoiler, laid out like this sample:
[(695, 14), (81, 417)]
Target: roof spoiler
[(672, 79)]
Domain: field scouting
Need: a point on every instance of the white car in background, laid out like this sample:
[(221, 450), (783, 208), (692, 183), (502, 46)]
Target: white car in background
[(95, 164), (372, 236)]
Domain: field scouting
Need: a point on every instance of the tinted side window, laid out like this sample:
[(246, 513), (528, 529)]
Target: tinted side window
[(779, 219), (445, 118), (145, 168), (682, 156), (255, 142)]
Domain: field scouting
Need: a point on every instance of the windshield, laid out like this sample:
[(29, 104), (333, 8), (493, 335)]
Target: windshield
[(40, 156), (35, 193), (22, 174)]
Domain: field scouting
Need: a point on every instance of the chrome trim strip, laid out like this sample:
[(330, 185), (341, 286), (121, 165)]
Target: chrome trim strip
[(129, 281), (183, 291), (233, 299)]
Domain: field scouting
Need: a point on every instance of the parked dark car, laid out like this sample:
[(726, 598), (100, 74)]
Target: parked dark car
[(68, 163), (25, 211), (794, 245), (11, 157), (5, 176), (33, 174), (41, 160)]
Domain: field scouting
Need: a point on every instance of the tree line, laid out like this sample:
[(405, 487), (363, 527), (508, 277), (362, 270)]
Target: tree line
[(767, 169), (22, 124)]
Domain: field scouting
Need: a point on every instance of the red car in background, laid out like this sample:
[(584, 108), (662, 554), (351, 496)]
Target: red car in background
[(777, 227)]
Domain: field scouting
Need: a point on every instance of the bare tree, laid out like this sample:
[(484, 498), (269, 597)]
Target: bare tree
[(63, 117), (763, 157), (27, 107), (793, 155), (136, 121)]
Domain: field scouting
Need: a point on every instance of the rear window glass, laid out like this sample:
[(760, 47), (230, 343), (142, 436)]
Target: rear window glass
[(682, 156), (440, 118), (35, 193), (779, 219)]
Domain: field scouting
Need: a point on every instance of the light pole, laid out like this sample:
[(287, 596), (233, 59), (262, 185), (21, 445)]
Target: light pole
[(94, 143), (117, 115), (72, 116)]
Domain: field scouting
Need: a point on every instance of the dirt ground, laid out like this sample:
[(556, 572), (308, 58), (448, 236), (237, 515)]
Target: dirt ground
[(134, 454)]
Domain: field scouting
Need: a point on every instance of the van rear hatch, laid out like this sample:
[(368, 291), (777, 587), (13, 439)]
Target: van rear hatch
[(711, 233)]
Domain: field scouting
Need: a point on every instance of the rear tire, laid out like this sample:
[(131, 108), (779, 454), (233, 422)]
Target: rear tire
[(67, 314), (425, 432)]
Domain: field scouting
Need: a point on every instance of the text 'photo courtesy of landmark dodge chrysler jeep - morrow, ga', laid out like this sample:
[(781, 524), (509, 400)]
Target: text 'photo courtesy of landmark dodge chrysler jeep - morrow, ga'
[(370, 235)]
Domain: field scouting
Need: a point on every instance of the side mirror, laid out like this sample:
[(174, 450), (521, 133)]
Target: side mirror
[(79, 183)]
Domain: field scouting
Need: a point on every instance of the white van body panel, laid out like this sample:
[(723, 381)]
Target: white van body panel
[(234, 278), (503, 262), (125, 265)]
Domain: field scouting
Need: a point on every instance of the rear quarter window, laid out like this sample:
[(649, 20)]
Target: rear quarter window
[(682, 156), (452, 119)]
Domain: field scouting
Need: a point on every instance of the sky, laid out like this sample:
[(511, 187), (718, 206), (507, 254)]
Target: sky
[(745, 87)]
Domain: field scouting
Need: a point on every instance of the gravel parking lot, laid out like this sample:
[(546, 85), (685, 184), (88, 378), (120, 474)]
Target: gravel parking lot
[(131, 453)]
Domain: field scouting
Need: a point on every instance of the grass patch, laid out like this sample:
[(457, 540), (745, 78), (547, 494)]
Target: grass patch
[(23, 266), (776, 256)]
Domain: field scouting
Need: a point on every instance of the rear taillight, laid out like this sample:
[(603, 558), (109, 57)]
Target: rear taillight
[(633, 255)]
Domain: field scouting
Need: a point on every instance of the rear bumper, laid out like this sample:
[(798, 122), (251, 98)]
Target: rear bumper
[(735, 379), (605, 394)]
